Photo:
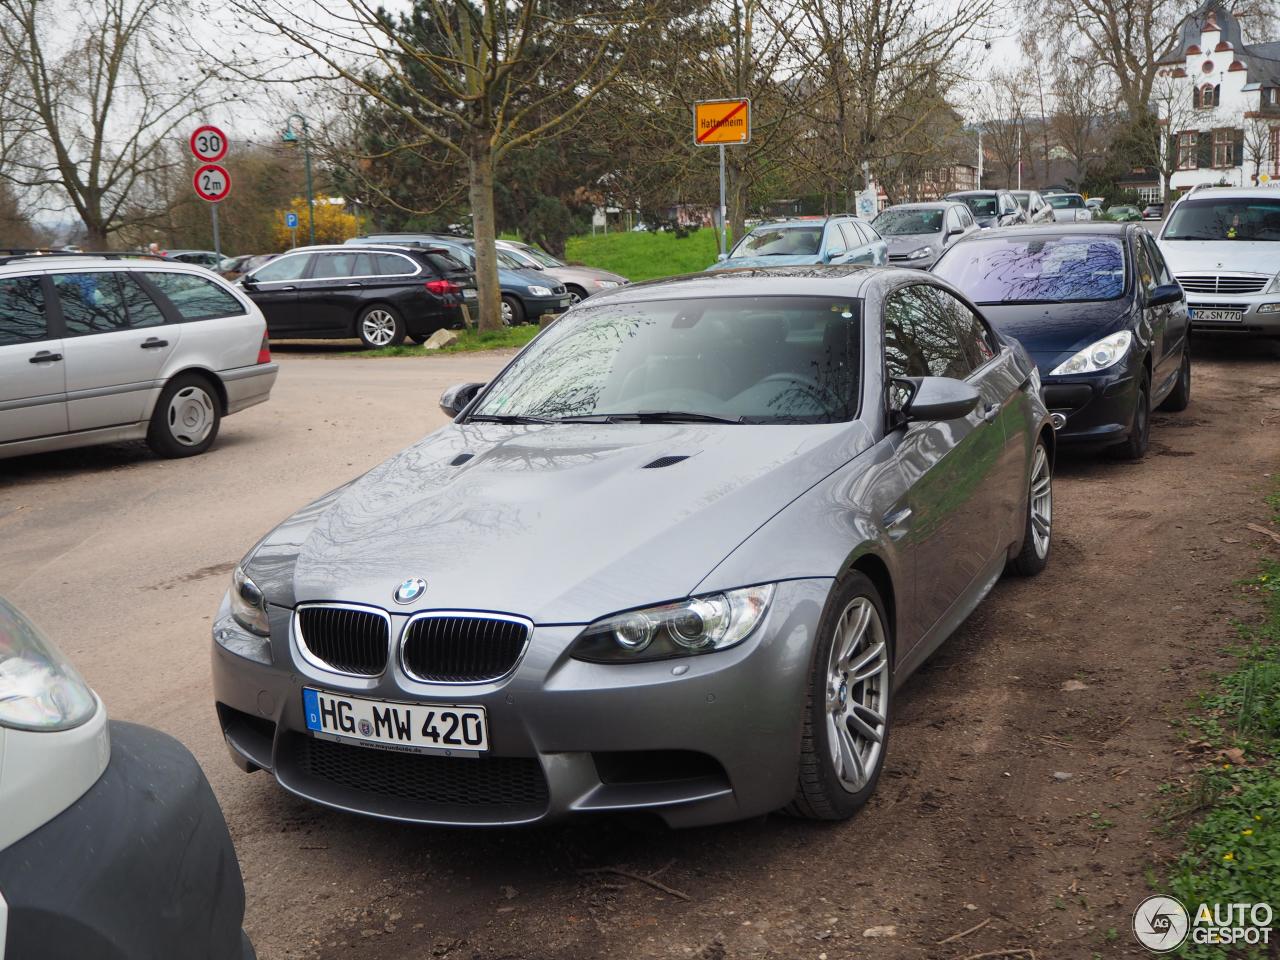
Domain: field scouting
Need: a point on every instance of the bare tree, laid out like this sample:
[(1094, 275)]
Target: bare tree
[(1002, 109), (473, 78), (1081, 106), (1258, 134), (1172, 104), (88, 109)]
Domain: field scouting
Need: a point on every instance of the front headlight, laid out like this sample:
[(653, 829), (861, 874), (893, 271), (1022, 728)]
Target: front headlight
[(247, 631), (688, 627), (540, 291), (1097, 356), (39, 689), (920, 254)]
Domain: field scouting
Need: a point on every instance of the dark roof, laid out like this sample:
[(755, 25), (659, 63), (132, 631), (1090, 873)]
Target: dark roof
[(1102, 227), (1261, 59)]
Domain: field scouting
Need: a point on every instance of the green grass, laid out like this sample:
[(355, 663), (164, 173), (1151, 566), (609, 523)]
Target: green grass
[(468, 342), (1232, 852), (645, 256)]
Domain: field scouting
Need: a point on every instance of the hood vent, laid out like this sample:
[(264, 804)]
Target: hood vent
[(668, 461), (460, 459)]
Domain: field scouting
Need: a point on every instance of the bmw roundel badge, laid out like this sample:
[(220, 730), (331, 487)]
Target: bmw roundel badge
[(410, 590)]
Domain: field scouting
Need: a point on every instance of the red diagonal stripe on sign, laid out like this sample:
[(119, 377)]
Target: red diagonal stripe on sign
[(722, 121)]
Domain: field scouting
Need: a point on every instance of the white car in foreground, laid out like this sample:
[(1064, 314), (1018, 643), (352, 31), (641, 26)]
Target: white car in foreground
[(112, 846), (96, 349), (1223, 246)]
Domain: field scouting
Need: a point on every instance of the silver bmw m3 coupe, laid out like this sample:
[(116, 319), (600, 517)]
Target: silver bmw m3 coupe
[(676, 557)]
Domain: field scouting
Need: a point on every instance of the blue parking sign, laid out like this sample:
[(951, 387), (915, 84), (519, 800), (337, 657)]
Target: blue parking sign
[(291, 221)]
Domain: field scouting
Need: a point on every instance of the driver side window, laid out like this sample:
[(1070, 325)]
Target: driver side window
[(920, 339), (835, 241)]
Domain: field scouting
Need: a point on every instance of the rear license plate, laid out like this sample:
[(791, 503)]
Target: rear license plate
[(1221, 316), (406, 727), (468, 293)]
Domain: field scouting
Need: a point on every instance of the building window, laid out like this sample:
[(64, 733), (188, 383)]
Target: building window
[(1187, 150), (1209, 95), (1149, 194), (1270, 96), (1224, 142)]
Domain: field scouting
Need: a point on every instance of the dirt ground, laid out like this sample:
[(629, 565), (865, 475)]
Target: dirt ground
[(1021, 776)]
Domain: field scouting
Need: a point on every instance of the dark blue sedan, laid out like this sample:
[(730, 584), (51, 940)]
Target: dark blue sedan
[(1098, 310)]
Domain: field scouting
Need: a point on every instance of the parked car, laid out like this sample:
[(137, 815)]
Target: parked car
[(1223, 245), (97, 350), (378, 293), (1100, 314), (1034, 205), (838, 239), (201, 258), (1069, 207), (526, 294), (766, 494), (1123, 213), (1153, 211), (1095, 203), (991, 208), (916, 233), (580, 282), (112, 845)]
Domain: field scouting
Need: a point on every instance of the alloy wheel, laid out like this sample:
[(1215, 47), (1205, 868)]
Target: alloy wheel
[(1041, 502), (857, 694), (378, 327), (191, 416)]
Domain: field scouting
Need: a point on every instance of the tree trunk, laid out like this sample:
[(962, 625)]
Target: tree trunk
[(484, 229), (96, 237)]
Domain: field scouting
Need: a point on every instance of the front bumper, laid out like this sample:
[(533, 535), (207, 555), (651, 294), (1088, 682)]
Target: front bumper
[(535, 307), (717, 741), (140, 866), (1099, 407), (1251, 319)]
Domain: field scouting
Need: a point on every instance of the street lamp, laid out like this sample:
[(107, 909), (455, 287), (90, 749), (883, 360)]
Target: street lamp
[(288, 136)]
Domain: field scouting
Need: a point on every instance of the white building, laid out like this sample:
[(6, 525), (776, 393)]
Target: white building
[(1219, 99)]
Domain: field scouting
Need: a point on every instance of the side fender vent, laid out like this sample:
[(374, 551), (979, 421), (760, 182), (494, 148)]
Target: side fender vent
[(668, 461), (460, 459)]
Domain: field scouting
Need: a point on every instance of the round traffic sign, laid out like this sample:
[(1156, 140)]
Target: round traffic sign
[(208, 143), (212, 182)]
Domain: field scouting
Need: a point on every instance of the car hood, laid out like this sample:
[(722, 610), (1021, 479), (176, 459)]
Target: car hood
[(901, 243), (558, 523), (512, 278), (776, 261), (583, 274), (1049, 330), (1222, 256)]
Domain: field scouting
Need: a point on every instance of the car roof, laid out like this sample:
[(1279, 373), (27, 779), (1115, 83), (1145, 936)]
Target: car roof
[(975, 193), (366, 247), (1231, 193), (1097, 227), (26, 263), (923, 205)]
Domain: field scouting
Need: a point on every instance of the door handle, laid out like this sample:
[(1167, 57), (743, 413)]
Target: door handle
[(153, 344), (283, 289), (45, 356), (355, 284)]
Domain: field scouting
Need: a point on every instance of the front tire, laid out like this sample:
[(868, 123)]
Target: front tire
[(846, 719), (512, 311), (1135, 447), (1037, 534), (380, 326), (186, 418), (1180, 396), (576, 295)]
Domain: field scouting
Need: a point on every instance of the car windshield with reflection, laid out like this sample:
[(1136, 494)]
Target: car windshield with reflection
[(909, 222), (1254, 218), (784, 240), (739, 360), (1033, 269)]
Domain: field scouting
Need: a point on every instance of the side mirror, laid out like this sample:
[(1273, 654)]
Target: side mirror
[(938, 398), (249, 283), (454, 400), (1165, 293)]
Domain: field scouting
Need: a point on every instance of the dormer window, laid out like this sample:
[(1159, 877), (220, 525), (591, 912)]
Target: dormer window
[(1209, 95)]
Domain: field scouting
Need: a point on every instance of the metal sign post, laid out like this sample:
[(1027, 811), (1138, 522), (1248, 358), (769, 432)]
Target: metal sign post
[(720, 122), (291, 222), (209, 145)]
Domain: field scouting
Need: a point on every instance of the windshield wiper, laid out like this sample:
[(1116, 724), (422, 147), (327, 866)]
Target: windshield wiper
[(505, 418), (651, 416)]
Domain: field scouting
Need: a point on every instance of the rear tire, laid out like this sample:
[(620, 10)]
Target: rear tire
[(1180, 396), (380, 326), (1135, 447), (847, 710), (1037, 533), (186, 418)]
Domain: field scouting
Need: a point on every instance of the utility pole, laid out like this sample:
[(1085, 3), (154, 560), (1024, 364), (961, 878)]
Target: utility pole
[(290, 137)]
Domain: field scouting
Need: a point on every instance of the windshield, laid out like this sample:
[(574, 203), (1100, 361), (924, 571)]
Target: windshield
[(1066, 201), (1024, 270), (897, 223), (981, 206), (748, 359), (1244, 218), (538, 256), (781, 240)]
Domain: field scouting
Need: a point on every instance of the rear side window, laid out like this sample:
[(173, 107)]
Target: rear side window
[(196, 298), (445, 263), (22, 317), (337, 265), (392, 265), (97, 303)]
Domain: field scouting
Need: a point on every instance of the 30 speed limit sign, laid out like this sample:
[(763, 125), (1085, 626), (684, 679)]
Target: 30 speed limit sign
[(208, 144), (212, 182)]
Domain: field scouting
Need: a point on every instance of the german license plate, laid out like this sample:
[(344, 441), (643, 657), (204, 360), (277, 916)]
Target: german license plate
[(1221, 316), (406, 727), (564, 302)]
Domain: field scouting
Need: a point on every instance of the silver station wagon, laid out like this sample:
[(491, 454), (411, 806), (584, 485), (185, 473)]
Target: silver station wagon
[(98, 350)]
